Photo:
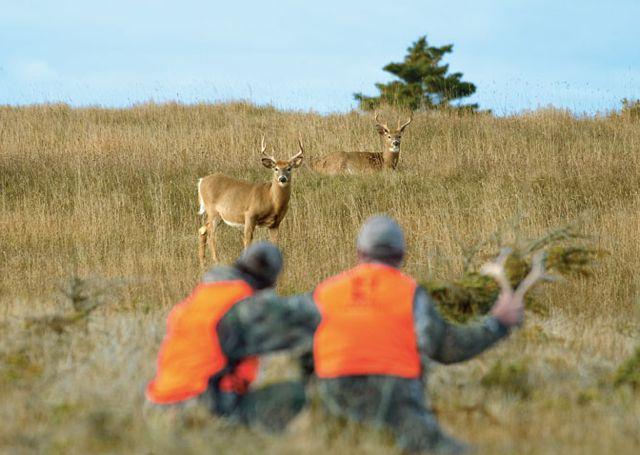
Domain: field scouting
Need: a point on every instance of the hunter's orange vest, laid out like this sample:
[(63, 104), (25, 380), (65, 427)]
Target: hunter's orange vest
[(190, 353), (367, 324)]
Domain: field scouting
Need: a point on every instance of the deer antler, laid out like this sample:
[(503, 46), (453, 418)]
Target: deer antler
[(384, 125), (296, 159), (401, 127), (536, 273), (263, 149), (263, 146), (300, 146), (496, 271)]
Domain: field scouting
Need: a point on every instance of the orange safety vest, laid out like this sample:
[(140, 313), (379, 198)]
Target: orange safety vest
[(367, 324), (190, 353)]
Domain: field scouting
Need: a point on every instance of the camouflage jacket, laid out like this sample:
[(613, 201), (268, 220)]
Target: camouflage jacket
[(266, 322)]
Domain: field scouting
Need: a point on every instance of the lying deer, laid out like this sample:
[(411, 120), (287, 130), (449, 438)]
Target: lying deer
[(350, 162), (244, 204)]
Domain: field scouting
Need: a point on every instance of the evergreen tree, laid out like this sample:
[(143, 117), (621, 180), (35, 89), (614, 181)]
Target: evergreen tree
[(424, 82)]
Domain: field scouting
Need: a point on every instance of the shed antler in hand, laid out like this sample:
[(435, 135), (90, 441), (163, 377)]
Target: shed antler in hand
[(496, 270), (509, 308), (536, 273)]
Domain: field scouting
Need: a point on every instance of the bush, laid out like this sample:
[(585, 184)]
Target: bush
[(474, 294), (629, 372)]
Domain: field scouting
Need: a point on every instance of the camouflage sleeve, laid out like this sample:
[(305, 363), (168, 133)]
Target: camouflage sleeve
[(266, 322), (446, 342)]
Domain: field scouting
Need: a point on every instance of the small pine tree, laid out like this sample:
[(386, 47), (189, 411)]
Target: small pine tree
[(631, 108), (424, 83)]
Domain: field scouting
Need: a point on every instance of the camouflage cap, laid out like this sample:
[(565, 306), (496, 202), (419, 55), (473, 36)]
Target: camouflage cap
[(381, 238), (262, 261)]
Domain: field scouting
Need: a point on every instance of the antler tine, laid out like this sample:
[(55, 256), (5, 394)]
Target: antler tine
[(300, 146), (400, 127), (263, 150), (536, 273), (263, 147), (377, 119), (495, 270)]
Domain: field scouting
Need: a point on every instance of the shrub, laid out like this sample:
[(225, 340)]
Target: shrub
[(629, 372)]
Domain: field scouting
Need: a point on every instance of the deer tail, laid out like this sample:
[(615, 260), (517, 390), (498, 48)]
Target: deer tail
[(202, 209)]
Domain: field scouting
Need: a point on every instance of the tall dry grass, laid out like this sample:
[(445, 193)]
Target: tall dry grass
[(111, 194)]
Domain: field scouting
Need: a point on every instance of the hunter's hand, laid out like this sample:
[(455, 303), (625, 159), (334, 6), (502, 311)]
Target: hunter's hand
[(509, 308)]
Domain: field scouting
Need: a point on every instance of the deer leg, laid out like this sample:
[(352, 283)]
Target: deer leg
[(249, 227), (213, 223), (202, 246), (273, 235)]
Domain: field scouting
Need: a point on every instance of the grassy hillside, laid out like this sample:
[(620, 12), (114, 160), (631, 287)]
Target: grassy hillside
[(110, 195)]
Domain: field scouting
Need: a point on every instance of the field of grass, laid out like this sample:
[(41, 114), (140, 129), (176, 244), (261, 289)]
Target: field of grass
[(110, 196)]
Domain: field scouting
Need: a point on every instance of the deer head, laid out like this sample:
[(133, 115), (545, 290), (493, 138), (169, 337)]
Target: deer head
[(281, 169), (391, 138)]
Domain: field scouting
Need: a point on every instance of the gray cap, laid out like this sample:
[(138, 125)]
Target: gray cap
[(262, 261), (381, 238)]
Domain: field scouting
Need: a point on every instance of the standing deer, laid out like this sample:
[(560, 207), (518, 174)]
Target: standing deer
[(350, 162), (245, 204)]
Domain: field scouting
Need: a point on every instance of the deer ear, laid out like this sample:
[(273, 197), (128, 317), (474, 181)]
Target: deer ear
[(268, 162), (296, 162), (382, 129)]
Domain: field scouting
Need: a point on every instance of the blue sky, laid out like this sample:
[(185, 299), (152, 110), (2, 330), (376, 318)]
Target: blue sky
[(582, 55)]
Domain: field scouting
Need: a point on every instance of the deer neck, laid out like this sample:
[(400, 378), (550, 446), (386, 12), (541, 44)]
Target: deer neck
[(389, 157), (280, 195)]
